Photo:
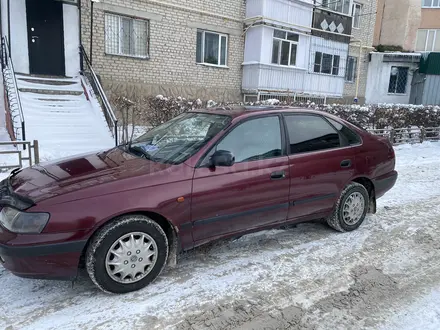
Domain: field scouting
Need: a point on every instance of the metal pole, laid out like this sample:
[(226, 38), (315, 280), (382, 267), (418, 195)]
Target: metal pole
[(91, 31), (23, 133), (36, 152), (9, 26), (81, 64), (116, 132)]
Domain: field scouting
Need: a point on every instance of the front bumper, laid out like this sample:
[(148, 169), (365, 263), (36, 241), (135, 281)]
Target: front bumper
[(43, 261)]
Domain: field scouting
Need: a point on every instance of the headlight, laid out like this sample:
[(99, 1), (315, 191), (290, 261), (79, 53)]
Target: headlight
[(23, 222)]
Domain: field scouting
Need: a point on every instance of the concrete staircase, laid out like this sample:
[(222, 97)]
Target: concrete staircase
[(59, 115)]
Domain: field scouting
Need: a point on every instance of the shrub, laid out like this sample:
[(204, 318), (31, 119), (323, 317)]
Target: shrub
[(153, 111)]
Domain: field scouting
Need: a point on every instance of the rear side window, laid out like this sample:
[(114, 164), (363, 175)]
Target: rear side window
[(350, 137), (310, 133)]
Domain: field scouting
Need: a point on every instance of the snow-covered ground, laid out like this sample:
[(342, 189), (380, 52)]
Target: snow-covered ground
[(382, 276)]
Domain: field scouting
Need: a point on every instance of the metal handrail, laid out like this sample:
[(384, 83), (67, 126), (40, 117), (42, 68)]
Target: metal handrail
[(112, 121), (30, 145), (7, 63)]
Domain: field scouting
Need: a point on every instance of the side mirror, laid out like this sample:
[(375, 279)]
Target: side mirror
[(222, 158)]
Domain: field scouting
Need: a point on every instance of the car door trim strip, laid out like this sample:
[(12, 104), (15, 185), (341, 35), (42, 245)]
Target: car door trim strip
[(312, 199)]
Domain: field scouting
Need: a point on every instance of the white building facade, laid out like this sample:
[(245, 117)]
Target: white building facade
[(390, 77), (296, 47)]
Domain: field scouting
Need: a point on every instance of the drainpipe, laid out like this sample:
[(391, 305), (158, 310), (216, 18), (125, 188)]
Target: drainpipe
[(91, 30), (358, 74)]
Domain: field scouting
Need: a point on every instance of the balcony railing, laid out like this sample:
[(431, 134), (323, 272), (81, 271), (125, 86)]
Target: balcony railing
[(257, 77), (327, 21)]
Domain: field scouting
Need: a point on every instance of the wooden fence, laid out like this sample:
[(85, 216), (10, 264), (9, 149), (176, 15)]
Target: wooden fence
[(409, 135)]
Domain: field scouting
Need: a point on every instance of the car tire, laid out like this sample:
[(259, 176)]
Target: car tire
[(351, 208), (127, 254)]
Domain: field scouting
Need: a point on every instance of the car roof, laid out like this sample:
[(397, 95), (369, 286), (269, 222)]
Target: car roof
[(249, 111)]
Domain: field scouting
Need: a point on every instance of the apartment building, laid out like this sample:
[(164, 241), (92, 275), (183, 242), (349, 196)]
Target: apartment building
[(189, 48), (206, 49), (308, 48), (413, 25)]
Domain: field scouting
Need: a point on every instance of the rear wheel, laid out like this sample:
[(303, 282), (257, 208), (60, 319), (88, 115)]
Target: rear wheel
[(127, 254), (351, 209)]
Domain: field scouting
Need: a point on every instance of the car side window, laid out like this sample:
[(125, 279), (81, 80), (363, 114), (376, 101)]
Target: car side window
[(351, 137), (310, 133), (255, 139)]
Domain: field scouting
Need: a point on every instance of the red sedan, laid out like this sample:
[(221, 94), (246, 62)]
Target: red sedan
[(205, 175)]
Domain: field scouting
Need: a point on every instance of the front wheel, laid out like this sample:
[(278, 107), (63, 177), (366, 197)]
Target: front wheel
[(351, 209), (127, 254)]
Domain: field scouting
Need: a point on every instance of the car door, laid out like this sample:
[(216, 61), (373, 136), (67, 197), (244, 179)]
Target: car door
[(321, 162), (250, 194)]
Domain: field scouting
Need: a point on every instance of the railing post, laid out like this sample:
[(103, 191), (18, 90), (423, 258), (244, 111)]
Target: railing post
[(422, 134), (36, 152), (392, 134), (23, 134), (116, 132)]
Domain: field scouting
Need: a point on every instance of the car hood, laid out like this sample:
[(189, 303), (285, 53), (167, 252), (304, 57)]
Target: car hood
[(84, 172)]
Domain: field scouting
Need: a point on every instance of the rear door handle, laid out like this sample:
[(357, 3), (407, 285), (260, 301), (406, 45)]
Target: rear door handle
[(346, 163), (278, 175)]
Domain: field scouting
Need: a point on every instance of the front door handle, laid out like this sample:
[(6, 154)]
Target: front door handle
[(346, 163), (278, 175)]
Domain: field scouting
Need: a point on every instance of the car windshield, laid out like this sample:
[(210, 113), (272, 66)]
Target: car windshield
[(180, 138)]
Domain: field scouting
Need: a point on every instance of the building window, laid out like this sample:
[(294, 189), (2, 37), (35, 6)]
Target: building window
[(212, 48), (431, 3), (428, 41), (326, 63), (351, 70), (341, 6), (285, 47), (398, 80), (126, 36), (356, 13)]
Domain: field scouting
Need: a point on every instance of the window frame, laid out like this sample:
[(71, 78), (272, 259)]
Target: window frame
[(353, 11), (332, 67), (355, 67), (280, 43), (120, 17), (333, 6), (220, 35), (203, 161), (431, 5), (395, 89), (432, 46), (342, 139)]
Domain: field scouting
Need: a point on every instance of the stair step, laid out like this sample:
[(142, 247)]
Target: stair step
[(48, 82), (56, 100), (49, 91), (41, 76)]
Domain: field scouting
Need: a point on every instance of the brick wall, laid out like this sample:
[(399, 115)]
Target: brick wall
[(366, 34), (171, 68)]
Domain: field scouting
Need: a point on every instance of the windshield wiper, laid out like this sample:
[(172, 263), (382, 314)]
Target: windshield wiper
[(146, 155)]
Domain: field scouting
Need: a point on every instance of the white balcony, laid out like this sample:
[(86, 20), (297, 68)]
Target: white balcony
[(297, 12), (266, 77)]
